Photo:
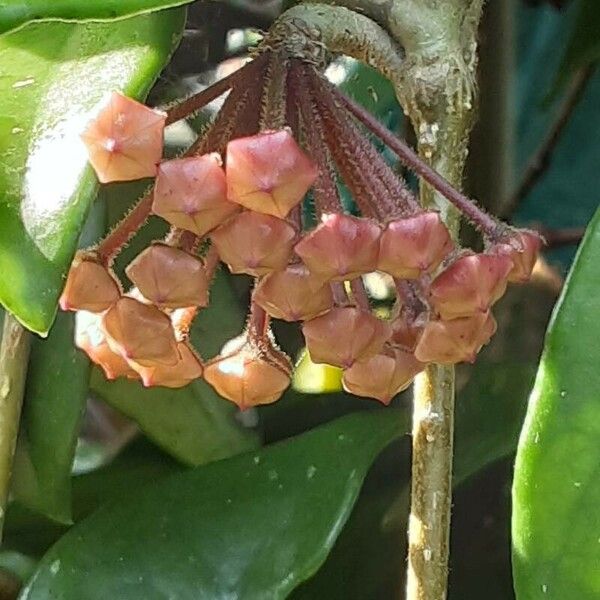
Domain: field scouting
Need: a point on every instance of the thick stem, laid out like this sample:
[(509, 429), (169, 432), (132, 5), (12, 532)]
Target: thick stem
[(14, 356)]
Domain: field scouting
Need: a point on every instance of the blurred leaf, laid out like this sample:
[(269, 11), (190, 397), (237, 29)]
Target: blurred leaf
[(556, 522), (52, 75), (313, 378), (55, 395), (192, 424), (139, 464), (253, 526), (14, 13), (583, 48)]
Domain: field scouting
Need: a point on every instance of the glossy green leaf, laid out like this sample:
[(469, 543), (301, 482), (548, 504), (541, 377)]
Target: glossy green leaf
[(55, 395), (52, 75), (14, 13), (252, 526), (556, 493)]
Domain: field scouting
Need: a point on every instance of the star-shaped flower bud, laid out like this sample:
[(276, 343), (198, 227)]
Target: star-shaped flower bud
[(458, 340), (406, 333), (140, 333), (169, 277), (254, 243), (90, 286), (187, 368), (124, 140), (523, 248), (382, 376), (191, 193), (249, 374), (341, 247), (293, 295), (268, 172), (471, 284), (345, 335), (90, 338), (414, 245)]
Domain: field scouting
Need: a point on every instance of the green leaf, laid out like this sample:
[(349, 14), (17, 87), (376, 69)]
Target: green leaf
[(253, 526), (556, 493), (55, 396), (192, 424), (52, 75), (14, 13)]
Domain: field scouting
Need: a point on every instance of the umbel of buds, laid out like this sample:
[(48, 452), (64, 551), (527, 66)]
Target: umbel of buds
[(236, 197)]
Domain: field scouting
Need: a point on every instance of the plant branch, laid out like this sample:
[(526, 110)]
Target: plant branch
[(542, 157), (14, 356)]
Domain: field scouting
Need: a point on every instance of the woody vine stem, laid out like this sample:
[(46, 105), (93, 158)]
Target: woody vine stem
[(427, 48)]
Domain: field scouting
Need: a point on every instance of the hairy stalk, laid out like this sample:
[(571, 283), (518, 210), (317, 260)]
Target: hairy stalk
[(273, 101), (14, 356)]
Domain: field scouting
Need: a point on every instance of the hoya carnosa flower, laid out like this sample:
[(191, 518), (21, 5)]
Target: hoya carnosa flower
[(414, 245), (268, 172), (254, 243), (457, 340), (249, 374), (90, 338), (169, 277), (341, 247), (523, 248), (345, 335), (187, 368), (90, 286), (191, 193), (140, 333), (293, 294), (382, 376), (124, 140), (471, 284)]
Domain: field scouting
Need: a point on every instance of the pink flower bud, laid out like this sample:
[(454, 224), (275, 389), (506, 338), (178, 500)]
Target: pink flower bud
[(382, 376), (293, 295), (341, 247), (124, 140), (191, 193), (90, 338), (414, 245), (268, 172), (90, 286), (458, 340), (140, 333), (522, 247), (248, 374), (254, 243), (471, 284), (187, 368), (169, 277), (345, 335)]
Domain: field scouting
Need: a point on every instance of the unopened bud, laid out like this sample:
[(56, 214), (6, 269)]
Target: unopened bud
[(191, 193), (522, 247), (124, 140), (268, 172)]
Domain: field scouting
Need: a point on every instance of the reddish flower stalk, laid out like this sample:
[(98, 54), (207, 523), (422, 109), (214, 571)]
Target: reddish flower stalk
[(480, 219), (360, 294), (242, 77)]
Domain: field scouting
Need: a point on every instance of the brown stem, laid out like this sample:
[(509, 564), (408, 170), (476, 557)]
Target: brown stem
[(340, 297), (479, 218), (244, 75), (273, 101), (556, 238), (360, 294), (542, 157), (258, 323)]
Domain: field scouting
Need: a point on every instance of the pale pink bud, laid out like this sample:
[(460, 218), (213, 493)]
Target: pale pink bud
[(191, 193), (471, 284), (341, 247), (382, 376), (169, 277), (523, 248), (414, 245), (254, 243), (345, 335), (293, 295), (124, 140), (268, 172)]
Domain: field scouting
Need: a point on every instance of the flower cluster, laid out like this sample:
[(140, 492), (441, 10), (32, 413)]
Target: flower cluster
[(236, 197)]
